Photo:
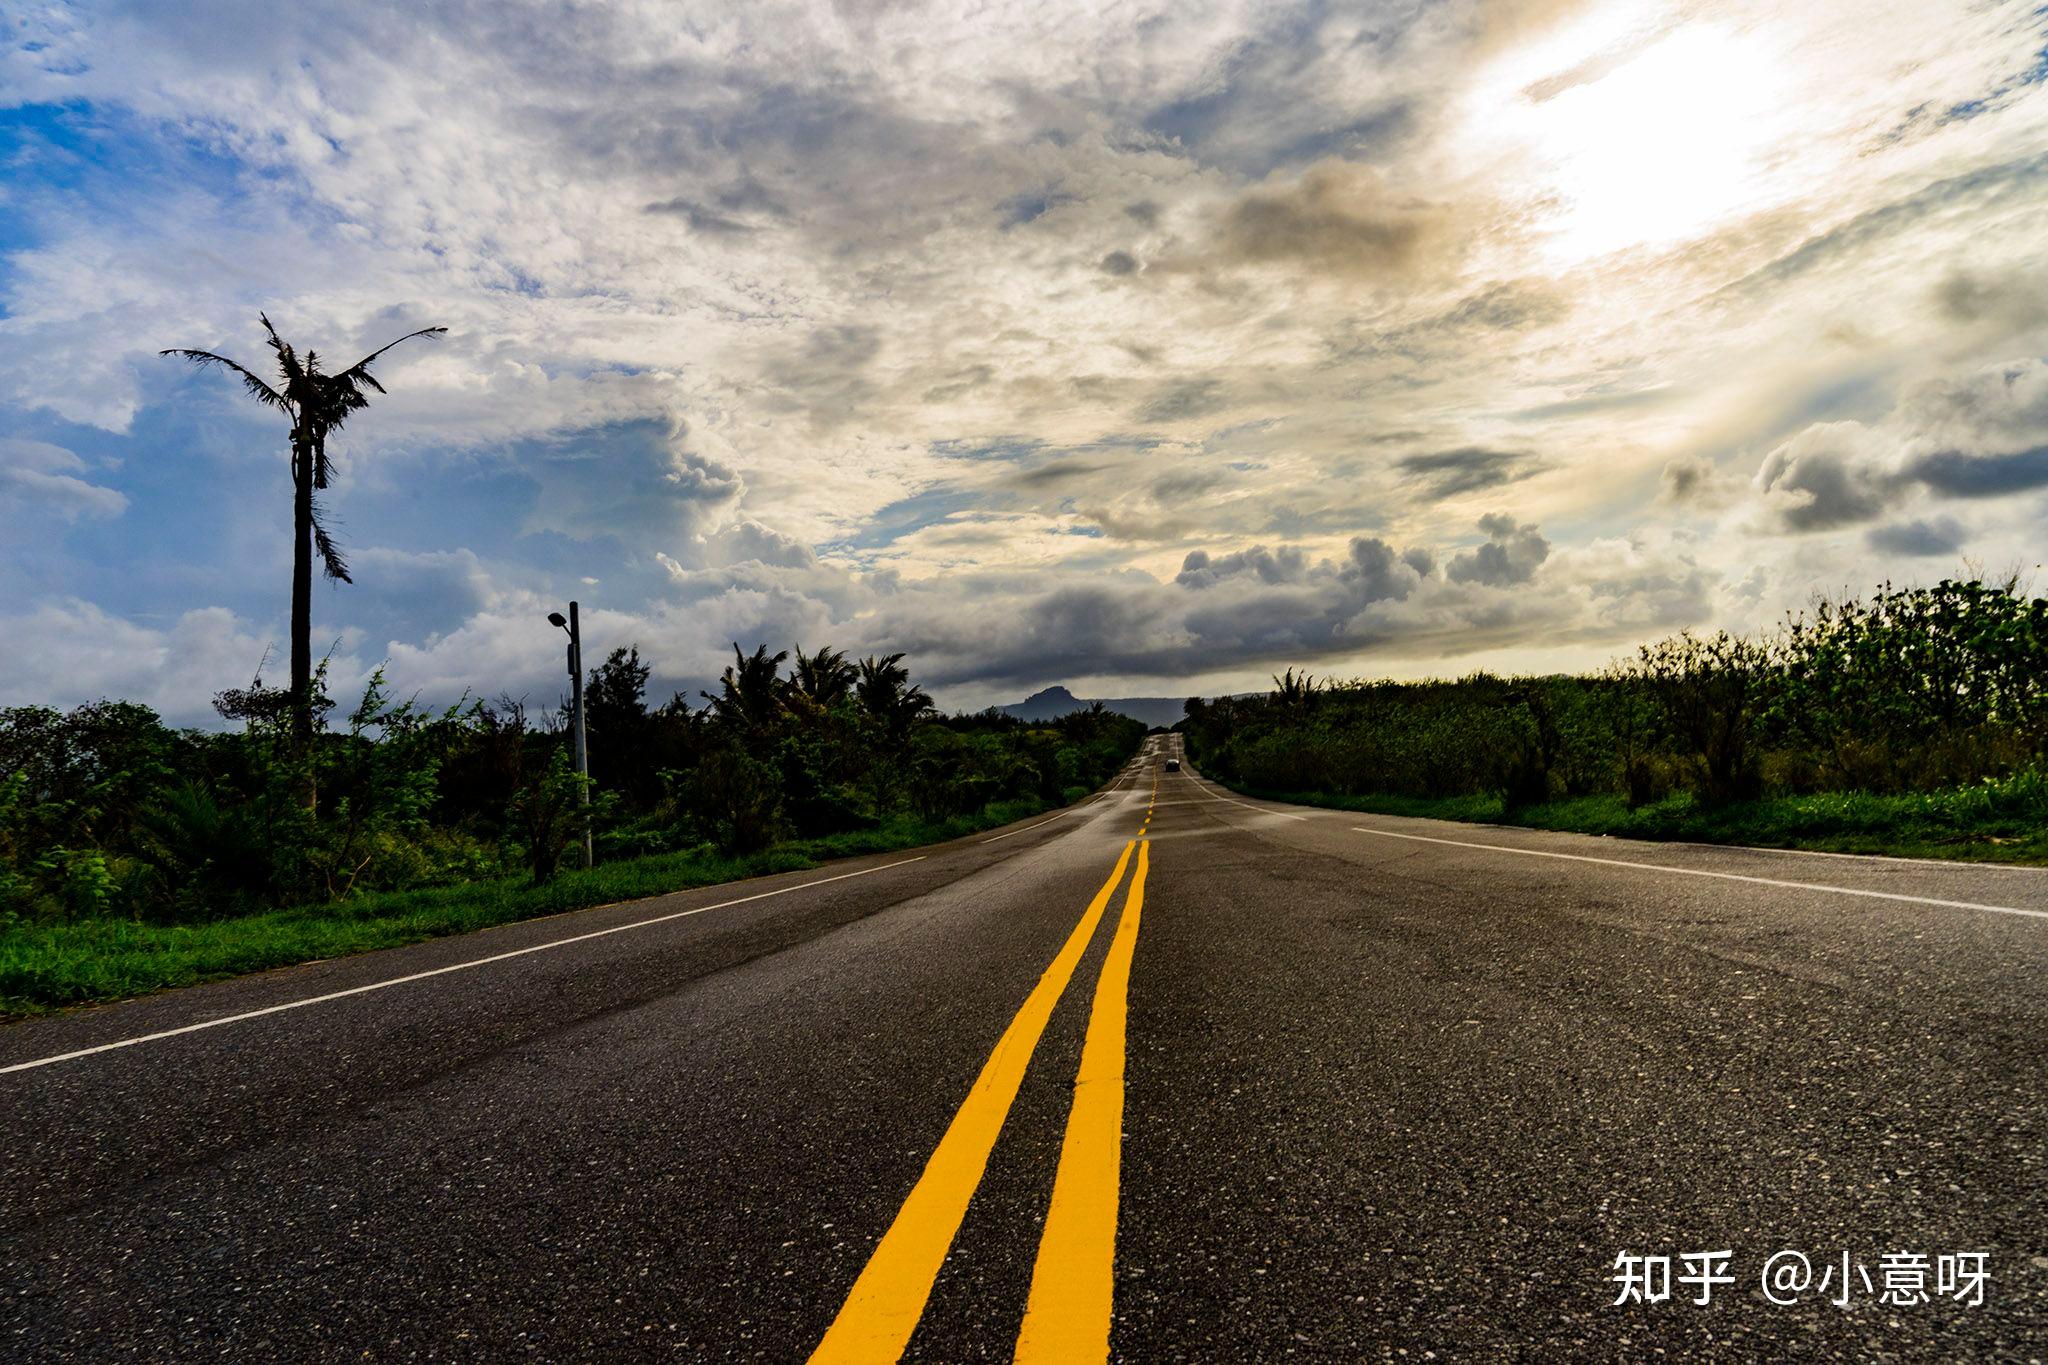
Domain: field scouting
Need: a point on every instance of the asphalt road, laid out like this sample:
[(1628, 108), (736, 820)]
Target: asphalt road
[(1172, 1075)]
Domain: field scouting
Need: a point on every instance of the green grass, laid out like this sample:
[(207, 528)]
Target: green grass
[(47, 966), (2005, 822)]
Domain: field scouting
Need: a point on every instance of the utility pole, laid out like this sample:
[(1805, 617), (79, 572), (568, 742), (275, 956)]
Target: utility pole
[(580, 747)]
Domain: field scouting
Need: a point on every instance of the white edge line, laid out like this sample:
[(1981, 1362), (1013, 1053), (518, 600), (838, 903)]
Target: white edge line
[(1054, 816), (1283, 814), (1034, 824), (1702, 872), (1884, 858), (442, 971)]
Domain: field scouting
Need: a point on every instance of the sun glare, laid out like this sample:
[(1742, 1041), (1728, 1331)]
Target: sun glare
[(1658, 147)]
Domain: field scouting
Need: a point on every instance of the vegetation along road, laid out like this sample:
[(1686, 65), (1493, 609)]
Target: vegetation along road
[(1168, 1075)]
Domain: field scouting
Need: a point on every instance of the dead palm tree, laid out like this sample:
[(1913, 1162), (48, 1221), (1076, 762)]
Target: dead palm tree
[(316, 405)]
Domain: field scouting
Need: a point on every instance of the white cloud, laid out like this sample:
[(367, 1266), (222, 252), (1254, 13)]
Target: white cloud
[(1137, 342), (38, 480), (82, 654)]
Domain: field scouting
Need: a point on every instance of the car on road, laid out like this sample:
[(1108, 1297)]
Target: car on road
[(1173, 765)]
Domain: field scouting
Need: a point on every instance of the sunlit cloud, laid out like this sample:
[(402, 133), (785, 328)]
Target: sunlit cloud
[(1138, 345)]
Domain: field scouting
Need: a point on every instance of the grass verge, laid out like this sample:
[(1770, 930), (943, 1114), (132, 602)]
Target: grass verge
[(49, 966), (2001, 822)]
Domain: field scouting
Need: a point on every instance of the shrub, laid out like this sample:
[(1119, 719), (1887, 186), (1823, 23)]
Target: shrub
[(735, 801), (1919, 689), (1708, 689), (550, 816)]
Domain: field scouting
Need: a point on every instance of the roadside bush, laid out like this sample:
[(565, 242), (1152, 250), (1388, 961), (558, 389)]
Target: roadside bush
[(549, 816), (735, 801), (1709, 689), (106, 813), (1915, 690)]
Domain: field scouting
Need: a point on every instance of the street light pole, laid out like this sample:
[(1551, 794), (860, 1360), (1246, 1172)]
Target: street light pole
[(579, 746)]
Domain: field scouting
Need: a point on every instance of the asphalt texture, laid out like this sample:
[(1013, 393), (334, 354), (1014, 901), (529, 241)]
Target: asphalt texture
[(1392, 1089)]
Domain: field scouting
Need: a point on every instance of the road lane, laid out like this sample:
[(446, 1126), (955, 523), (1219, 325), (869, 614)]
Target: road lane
[(1470, 1080), (763, 1081), (1378, 1094), (267, 1077), (471, 964), (1667, 869)]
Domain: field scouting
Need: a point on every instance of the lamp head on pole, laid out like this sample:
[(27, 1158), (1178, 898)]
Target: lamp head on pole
[(557, 620)]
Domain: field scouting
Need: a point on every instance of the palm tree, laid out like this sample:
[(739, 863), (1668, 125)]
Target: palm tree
[(316, 404), (1295, 692), (749, 694), (886, 693), (822, 678)]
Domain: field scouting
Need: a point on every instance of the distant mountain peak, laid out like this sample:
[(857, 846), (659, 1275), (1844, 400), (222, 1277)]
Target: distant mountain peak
[(1053, 702)]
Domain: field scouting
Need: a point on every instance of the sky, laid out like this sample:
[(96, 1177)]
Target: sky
[(1145, 346)]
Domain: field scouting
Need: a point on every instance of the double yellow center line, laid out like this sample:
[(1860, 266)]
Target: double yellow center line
[(1067, 1315)]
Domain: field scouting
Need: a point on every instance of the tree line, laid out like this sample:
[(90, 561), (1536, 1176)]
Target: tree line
[(105, 810), (1915, 689)]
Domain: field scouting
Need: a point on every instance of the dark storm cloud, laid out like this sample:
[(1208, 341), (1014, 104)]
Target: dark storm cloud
[(1821, 489), (1816, 484), (1061, 633), (1330, 593), (1958, 475), (1201, 570), (1981, 435), (1264, 606), (1119, 263), (1376, 573), (1918, 539), (1511, 555), (1446, 473)]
